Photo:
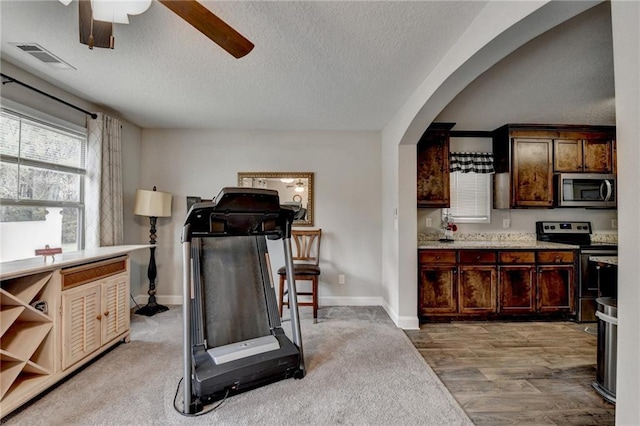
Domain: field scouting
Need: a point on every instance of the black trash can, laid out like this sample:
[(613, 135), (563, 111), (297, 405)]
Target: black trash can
[(607, 314)]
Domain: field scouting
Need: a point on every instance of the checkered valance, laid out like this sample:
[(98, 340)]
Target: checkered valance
[(468, 162)]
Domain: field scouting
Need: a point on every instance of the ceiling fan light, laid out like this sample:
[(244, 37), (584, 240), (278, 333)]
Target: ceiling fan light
[(286, 180), (118, 11), (65, 2), (299, 189)]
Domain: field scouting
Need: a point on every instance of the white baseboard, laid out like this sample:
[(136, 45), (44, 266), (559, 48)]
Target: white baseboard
[(404, 322)]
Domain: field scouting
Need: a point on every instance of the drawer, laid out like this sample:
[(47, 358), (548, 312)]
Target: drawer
[(437, 256), (477, 256), (78, 275), (554, 256), (517, 257)]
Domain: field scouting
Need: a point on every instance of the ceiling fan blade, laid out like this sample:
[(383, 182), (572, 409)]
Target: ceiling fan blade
[(211, 26), (102, 31)]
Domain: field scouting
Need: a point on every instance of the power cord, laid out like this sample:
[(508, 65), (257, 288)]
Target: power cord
[(201, 413)]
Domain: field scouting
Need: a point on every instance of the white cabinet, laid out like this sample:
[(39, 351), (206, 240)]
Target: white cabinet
[(94, 313), (54, 318)]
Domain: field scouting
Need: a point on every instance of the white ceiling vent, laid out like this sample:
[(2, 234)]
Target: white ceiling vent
[(43, 55)]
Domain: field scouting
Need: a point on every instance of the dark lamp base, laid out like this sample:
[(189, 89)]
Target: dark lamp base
[(151, 309)]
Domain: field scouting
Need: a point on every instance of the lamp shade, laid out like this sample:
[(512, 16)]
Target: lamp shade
[(152, 203)]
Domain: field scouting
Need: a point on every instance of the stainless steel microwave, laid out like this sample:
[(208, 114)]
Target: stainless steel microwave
[(586, 190)]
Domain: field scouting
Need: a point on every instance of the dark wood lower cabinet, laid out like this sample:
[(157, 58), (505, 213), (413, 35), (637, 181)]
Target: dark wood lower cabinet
[(555, 292), (493, 284), (477, 289), (438, 290), (517, 289)]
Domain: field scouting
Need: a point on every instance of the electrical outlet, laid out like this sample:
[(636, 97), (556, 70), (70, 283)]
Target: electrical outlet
[(341, 279), (428, 222), (506, 223), (614, 223)]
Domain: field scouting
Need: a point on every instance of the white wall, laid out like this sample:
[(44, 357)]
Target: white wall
[(347, 200), (626, 50)]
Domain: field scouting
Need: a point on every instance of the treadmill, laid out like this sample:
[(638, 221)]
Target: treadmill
[(233, 337)]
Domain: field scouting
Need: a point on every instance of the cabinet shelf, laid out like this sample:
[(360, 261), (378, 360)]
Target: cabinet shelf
[(8, 316), (25, 289), (10, 371), (23, 338)]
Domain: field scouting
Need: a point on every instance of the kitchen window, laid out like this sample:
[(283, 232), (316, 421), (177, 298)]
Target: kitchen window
[(42, 172), (470, 187)]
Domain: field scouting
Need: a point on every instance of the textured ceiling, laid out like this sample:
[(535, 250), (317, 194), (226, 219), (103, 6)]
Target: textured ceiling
[(316, 65), (345, 65)]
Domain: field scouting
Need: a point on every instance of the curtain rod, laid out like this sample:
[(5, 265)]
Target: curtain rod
[(13, 80)]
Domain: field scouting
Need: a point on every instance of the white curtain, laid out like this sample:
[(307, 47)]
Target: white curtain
[(103, 184)]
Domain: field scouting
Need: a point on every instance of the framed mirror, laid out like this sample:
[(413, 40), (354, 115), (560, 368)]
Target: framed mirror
[(294, 188)]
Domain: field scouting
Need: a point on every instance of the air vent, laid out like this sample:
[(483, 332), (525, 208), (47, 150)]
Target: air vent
[(43, 55)]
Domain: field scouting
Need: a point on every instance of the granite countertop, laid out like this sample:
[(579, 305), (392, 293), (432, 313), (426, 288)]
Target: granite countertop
[(462, 244), (609, 260)]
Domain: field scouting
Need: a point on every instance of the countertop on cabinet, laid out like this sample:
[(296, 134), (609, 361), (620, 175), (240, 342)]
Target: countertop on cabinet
[(497, 245), (18, 268), (608, 260)]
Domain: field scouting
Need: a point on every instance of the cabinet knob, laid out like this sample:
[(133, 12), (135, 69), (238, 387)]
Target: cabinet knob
[(437, 257), (106, 313), (557, 259), (99, 317), (477, 257)]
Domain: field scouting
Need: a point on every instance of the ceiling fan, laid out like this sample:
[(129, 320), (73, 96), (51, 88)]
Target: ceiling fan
[(99, 33)]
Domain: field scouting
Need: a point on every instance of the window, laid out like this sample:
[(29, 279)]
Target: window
[(470, 197), (470, 193), (42, 169)]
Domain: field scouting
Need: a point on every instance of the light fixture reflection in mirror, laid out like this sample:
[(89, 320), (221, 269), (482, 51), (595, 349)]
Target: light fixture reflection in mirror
[(294, 188)]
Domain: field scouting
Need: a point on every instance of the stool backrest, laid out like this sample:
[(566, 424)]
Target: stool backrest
[(307, 245)]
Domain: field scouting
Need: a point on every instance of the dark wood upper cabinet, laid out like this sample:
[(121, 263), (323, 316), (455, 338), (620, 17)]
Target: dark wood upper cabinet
[(433, 166), (593, 155), (526, 156), (532, 173)]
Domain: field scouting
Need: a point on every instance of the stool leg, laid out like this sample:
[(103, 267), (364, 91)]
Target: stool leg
[(281, 296), (315, 299)]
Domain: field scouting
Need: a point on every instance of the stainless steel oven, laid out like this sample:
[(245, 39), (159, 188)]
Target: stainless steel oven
[(579, 233)]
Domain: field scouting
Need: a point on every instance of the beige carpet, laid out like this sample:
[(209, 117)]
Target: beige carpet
[(361, 370)]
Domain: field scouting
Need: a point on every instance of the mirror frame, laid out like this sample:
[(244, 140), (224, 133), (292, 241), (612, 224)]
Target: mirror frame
[(290, 175)]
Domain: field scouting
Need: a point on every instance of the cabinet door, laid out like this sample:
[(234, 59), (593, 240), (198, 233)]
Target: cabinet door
[(115, 307), (555, 288), (517, 289), (433, 170), (598, 156), (477, 289), (532, 173), (81, 322), (437, 294), (567, 156)]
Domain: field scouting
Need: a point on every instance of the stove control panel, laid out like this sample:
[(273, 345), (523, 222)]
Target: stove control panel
[(566, 228)]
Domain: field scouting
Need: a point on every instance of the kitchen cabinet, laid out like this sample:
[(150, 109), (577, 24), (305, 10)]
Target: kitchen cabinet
[(593, 155), (555, 281), (517, 282), (477, 282), (433, 166), (532, 173), (526, 156), (496, 284), (437, 282)]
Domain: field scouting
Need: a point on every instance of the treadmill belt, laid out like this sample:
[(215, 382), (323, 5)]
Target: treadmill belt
[(234, 299)]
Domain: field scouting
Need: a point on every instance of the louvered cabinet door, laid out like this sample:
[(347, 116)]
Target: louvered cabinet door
[(81, 320), (115, 307)]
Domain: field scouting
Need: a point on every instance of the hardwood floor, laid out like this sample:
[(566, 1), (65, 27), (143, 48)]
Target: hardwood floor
[(517, 372)]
